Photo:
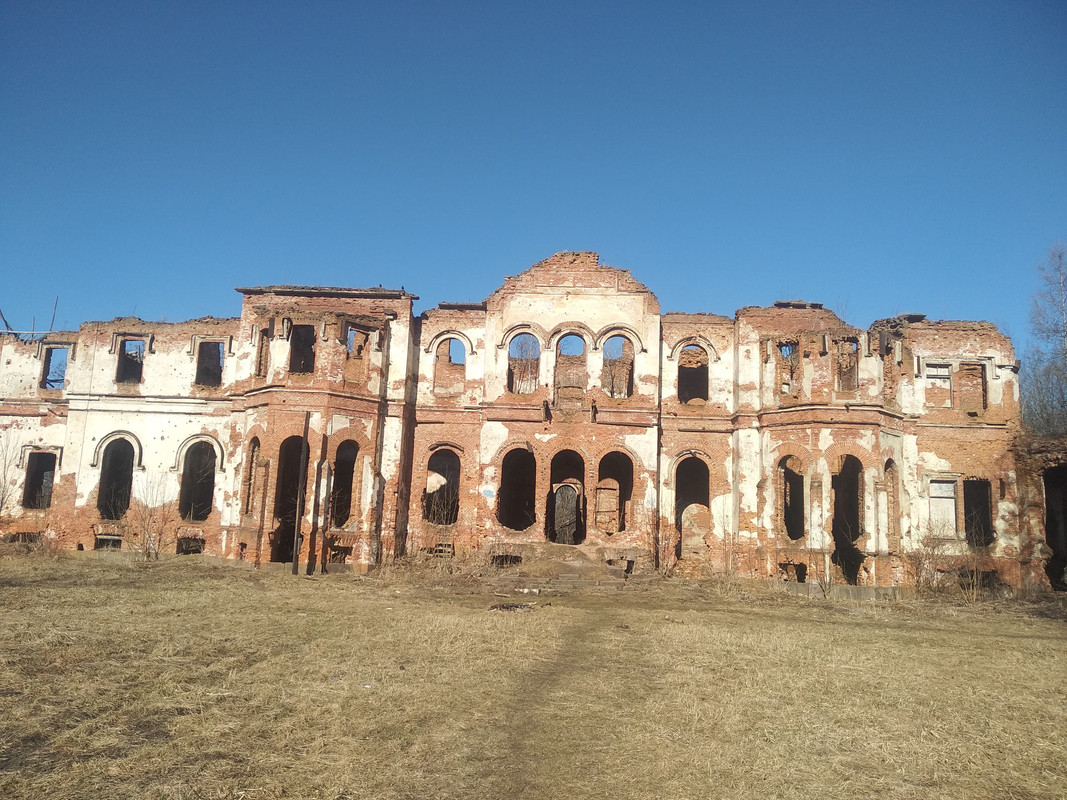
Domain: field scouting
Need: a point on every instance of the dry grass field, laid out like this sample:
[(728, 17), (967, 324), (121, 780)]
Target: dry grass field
[(181, 679)]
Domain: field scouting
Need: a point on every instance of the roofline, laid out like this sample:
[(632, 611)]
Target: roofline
[(329, 291)]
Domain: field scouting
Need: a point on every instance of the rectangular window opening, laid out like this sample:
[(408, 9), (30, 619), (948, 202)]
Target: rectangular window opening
[(209, 364), (54, 373), (131, 361), (943, 509), (302, 349), (40, 475)]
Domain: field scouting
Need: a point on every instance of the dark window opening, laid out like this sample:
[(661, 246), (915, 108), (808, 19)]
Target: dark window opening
[(524, 364), (692, 500), (40, 475), (190, 545), (197, 495), (572, 376), (978, 512), (793, 571), (791, 487), (263, 353), (116, 480), (251, 484), (506, 560), (302, 349), (131, 361), (614, 490), (618, 376), (450, 367), (847, 487), (288, 496), (693, 375), (209, 364), (344, 471), (565, 506), (848, 365), (440, 503), (54, 372), (104, 541), (1055, 480), (517, 500)]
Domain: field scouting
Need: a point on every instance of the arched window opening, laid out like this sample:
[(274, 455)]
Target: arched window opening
[(344, 471), (197, 496), (251, 473), (565, 507), (263, 353), (614, 489), (791, 497), (288, 497), (618, 376), (116, 480), (693, 375), (440, 504), (524, 364), (1055, 480), (517, 500), (692, 501), (572, 376), (847, 527), (450, 367)]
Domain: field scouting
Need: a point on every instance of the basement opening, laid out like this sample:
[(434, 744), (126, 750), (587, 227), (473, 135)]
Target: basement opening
[(288, 497), (692, 494), (197, 495), (517, 499), (506, 560), (440, 503), (618, 376), (40, 475), (978, 512), (344, 472), (302, 349), (1055, 480), (116, 480), (565, 509), (209, 364), (693, 375), (190, 545), (847, 487)]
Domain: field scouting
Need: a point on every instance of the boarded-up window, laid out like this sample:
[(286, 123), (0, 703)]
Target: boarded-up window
[(971, 388), (938, 385), (943, 509)]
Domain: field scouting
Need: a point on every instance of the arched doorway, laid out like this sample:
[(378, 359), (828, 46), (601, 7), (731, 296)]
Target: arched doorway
[(692, 498), (288, 497), (565, 511), (847, 526)]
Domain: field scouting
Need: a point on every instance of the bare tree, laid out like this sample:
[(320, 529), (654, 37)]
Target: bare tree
[(1045, 375), (152, 520), (9, 454)]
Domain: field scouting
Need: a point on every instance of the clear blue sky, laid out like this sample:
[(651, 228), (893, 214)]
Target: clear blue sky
[(879, 157)]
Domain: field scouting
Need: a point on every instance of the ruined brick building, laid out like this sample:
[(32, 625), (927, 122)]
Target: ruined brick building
[(565, 408)]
